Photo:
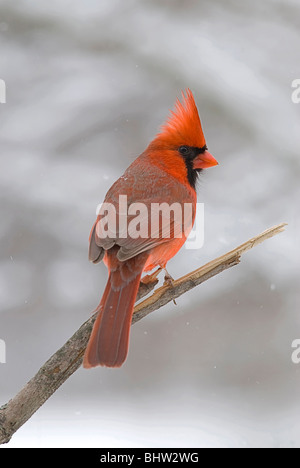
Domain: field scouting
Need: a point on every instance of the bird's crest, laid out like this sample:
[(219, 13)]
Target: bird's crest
[(183, 127)]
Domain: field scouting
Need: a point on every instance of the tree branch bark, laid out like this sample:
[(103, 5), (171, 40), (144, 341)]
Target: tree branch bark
[(69, 357)]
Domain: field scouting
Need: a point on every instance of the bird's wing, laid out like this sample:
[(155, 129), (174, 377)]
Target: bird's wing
[(155, 213)]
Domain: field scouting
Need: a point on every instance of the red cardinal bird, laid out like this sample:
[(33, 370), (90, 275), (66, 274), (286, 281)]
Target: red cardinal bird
[(165, 172)]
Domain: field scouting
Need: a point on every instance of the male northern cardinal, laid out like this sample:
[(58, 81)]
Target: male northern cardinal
[(165, 172)]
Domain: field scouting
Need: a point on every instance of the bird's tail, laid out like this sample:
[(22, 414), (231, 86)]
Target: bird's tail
[(109, 340)]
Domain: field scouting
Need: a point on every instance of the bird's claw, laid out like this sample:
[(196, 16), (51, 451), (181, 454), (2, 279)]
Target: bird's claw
[(169, 281), (148, 279)]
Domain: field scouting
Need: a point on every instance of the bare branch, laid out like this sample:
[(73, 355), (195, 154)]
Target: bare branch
[(69, 357)]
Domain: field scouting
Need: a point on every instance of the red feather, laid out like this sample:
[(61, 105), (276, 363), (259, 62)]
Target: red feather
[(160, 174)]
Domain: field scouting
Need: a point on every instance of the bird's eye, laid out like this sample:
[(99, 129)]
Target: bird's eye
[(184, 150)]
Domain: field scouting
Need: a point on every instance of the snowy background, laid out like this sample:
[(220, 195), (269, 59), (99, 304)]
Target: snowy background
[(88, 85)]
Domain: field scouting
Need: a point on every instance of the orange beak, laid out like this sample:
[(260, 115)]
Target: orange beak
[(204, 160)]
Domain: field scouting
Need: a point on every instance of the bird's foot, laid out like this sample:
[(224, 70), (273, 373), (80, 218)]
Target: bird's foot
[(169, 281), (148, 279)]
